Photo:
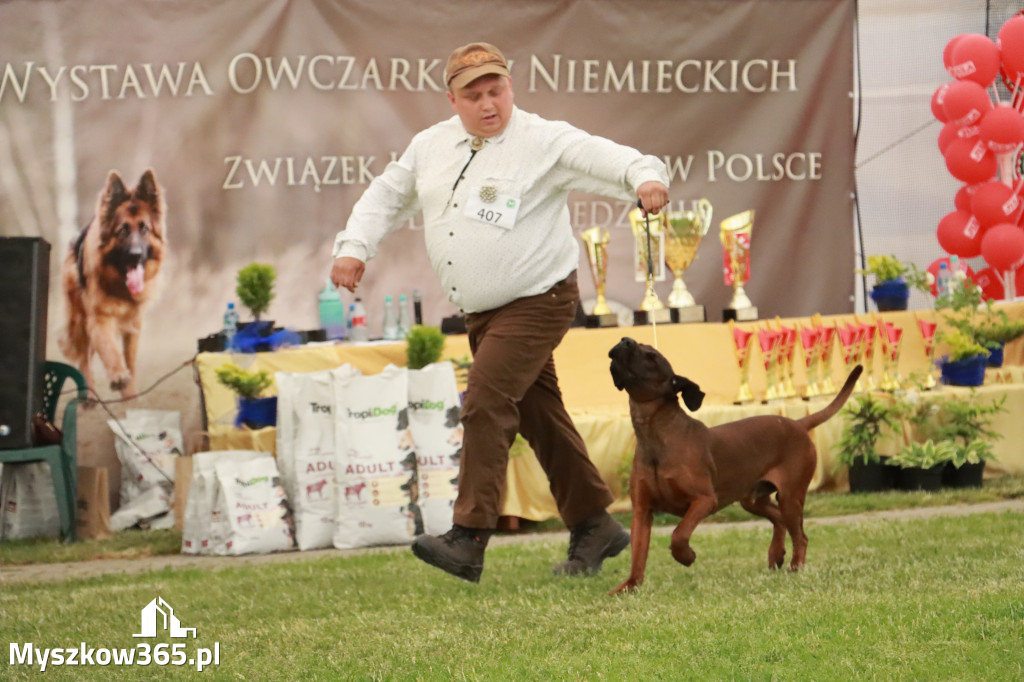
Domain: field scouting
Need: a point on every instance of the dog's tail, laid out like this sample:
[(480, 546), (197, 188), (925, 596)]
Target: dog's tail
[(820, 417)]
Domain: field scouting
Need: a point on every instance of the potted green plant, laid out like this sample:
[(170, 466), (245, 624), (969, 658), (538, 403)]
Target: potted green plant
[(865, 421), (893, 280), (996, 330), (255, 287), (919, 465), (966, 422), (423, 346), (965, 364), (254, 409)]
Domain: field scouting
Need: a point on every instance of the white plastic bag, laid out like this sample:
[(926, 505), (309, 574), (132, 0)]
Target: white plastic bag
[(28, 502), (200, 519), (434, 407), (255, 507), (375, 464), (305, 451), (147, 443)]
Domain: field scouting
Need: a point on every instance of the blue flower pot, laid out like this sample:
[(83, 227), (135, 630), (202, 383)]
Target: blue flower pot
[(892, 294), (995, 357), (969, 372), (257, 412)]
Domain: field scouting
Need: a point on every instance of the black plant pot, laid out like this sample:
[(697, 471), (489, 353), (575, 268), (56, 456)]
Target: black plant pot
[(872, 477), (917, 478), (966, 476)]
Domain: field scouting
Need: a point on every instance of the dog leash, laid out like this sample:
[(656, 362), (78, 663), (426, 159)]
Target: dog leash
[(650, 266)]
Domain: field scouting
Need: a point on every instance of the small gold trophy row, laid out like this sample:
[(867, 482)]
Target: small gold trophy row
[(857, 343), (671, 238)]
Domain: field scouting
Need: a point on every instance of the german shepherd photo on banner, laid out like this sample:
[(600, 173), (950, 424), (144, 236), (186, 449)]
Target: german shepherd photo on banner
[(109, 274)]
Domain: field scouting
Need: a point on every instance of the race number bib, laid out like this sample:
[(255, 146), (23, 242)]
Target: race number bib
[(487, 206)]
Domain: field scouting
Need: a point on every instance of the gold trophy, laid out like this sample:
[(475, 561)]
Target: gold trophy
[(928, 336), (826, 344), (771, 350), (742, 341), (810, 339), (683, 233), (890, 337), (595, 240), (787, 389), (648, 264), (735, 235)]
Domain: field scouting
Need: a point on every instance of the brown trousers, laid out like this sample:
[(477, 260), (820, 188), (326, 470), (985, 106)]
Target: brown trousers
[(512, 388)]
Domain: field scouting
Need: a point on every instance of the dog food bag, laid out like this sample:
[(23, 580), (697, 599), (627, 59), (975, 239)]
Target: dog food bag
[(305, 451), (255, 507), (375, 463), (147, 442), (434, 407), (28, 502), (201, 517)]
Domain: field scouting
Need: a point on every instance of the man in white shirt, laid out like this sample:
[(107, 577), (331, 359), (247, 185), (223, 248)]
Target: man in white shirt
[(492, 183)]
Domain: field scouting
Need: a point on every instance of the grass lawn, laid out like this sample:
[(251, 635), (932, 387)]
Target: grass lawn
[(922, 599)]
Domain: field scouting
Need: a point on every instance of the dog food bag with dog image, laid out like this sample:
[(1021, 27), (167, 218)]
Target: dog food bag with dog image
[(375, 463), (201, 518), (255, 506), (305, 451), (434, 408), (147, 443)]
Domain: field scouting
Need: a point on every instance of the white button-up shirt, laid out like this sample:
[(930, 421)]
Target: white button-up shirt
[(535, 161)]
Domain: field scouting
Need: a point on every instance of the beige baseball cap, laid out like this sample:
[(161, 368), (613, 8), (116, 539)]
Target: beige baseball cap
[(469, 62)]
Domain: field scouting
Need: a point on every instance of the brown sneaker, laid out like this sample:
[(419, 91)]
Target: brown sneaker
[(460, 552), (590, 543)]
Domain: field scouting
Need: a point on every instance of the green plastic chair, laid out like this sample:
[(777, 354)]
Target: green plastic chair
[(63, 458)]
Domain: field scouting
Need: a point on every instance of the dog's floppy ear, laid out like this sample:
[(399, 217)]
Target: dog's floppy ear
[(693, 397)]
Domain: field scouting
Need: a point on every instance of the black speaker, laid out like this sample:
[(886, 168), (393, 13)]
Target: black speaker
[(24, 287)]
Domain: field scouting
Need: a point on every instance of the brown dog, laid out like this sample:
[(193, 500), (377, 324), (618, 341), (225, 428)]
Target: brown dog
[(687, 469), (108, 275)]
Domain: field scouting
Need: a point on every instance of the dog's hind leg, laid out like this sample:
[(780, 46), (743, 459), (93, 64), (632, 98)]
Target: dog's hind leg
[(760, 503), (700, 508), (792, 507)]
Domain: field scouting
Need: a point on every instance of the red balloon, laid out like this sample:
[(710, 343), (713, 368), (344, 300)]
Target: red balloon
[(1003, 246), (989, 283), (975, 57), (994, 202), (965, 103), (959, 233), (934, 269), (1002, 129), (952, 131), (970, 160), (947, 51), (1010, 42), (963, 197), (937, 97)]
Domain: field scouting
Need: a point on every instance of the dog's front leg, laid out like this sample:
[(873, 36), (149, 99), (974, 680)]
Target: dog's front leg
[(699, 509), (640, 536), (105, 338), (131, 350)]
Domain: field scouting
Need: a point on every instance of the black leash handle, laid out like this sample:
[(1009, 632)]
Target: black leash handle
[(647, 220)]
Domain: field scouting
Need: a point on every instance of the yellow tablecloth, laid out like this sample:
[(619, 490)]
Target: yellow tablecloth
[(702, 352)]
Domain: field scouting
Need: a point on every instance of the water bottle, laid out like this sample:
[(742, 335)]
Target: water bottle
[(359, 329), (348, 320), (404, 317), (390, 328), (230, 326), (956, 273), (332, 312), (942, 280)]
